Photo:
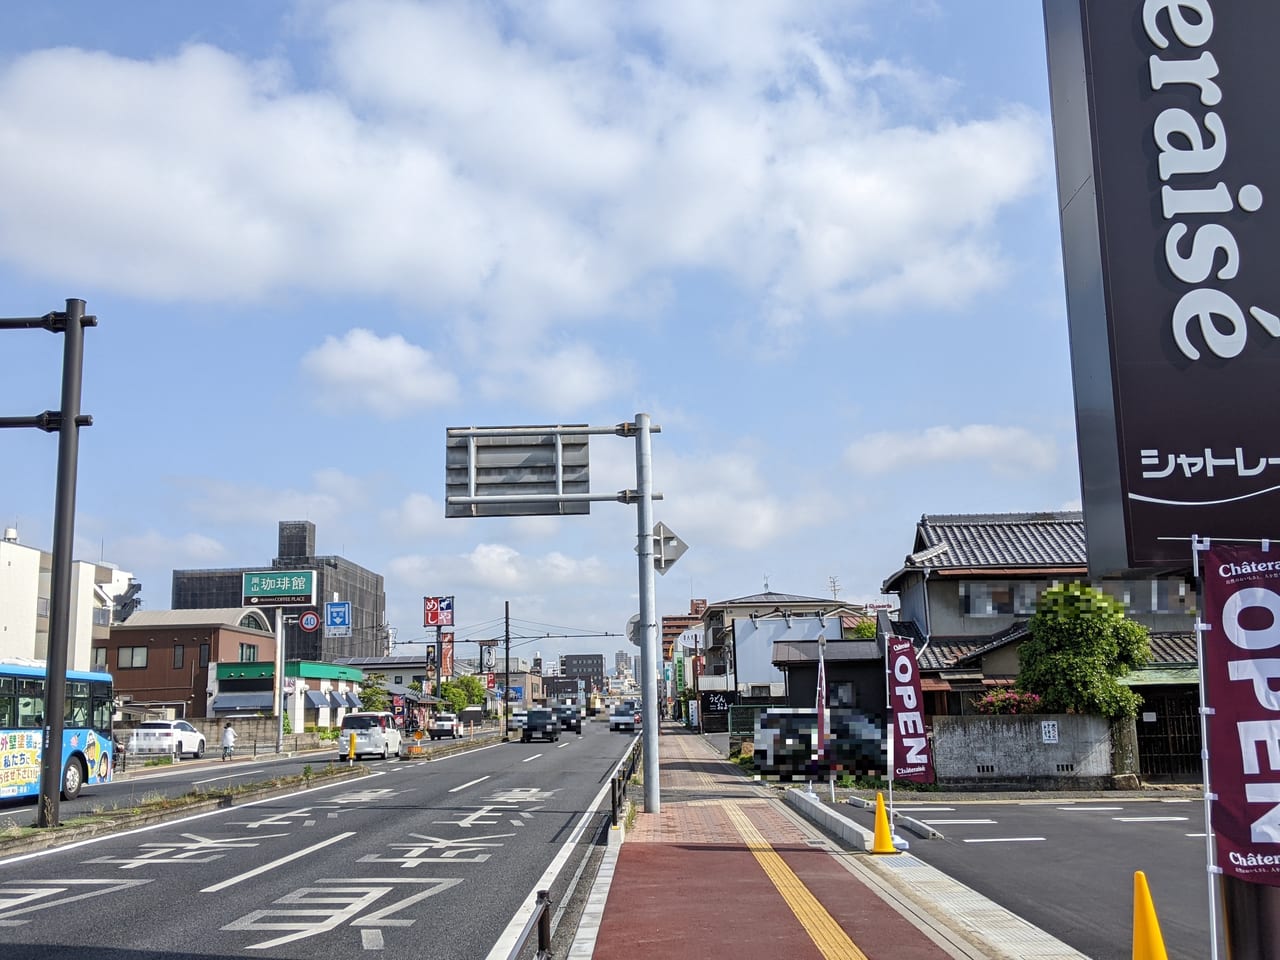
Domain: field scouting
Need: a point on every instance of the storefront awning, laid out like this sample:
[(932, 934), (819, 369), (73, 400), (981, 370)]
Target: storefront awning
[(242, 701), (317, 699), (335, 702), (352, 700)]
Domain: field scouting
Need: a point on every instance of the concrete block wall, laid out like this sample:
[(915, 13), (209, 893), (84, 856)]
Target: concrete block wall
[(1003, 747)]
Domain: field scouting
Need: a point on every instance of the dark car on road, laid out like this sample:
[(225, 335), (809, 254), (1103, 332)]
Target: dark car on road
[(569, 717), (542, 724)]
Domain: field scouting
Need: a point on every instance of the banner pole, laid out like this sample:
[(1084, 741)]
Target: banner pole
[(1211, 867)]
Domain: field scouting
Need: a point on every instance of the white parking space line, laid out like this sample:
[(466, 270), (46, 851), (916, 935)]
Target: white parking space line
[(469, 783), (232, 881), (933, 822), (534, 757), (907, 808), (1180, 800), (561, 746), (228, 776), (1200, 835), (1003, 839), (1149, 819), (1094, 809)]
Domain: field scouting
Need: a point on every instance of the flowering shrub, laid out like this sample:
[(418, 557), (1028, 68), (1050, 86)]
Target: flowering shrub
[(1008, 700)]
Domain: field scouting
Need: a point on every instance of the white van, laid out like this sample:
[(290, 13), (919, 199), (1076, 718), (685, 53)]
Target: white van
[(376, 733)]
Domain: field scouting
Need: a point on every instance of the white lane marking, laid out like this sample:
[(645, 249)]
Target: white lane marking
[(232, 881), (165, 824), (470, 783), (534, 757), (1004, 839), (932, 822), (371, 939), (1149, 819), (507, 939), (1073, 807), (1195, 835), (228, 776), (561, 746), (1180, 800), (907, 808)]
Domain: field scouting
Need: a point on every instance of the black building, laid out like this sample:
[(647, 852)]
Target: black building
[(207, 589), (588, 666)]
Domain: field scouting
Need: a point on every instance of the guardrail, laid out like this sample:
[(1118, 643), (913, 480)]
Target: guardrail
[(622, 773), (541, 920)]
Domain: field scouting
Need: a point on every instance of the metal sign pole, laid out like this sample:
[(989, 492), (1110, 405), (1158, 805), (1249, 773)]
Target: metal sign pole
[(648, 612), (1211, 866), (279, 684)]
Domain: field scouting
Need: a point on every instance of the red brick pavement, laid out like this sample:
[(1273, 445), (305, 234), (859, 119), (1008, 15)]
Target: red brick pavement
[(688, 884)]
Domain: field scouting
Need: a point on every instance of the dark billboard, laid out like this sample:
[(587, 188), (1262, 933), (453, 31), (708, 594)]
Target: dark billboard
[(1168, 164)]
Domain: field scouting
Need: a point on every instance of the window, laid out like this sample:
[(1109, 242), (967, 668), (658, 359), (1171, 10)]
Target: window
[(999, 598), (131, 658), (177, 656), (399, 680), (204, 654), (30, 693), (102, 706), (76, 708), (99, 658), (248, 652), (8, 715)]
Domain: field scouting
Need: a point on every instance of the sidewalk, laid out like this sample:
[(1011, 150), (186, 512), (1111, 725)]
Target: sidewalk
[(727, 870)]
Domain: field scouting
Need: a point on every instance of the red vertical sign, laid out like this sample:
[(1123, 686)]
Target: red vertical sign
[(1241, 643), (446, 654), (913, 760)]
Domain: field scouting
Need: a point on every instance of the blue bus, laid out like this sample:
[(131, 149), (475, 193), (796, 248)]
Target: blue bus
[(88, 752)]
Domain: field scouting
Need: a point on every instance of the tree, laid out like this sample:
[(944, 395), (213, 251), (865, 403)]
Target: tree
[(864, 630), (462, 692), (1081, 643), (373, 693)]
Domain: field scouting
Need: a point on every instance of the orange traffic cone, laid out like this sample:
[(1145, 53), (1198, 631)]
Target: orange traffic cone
[(883, 840), (1148, 944)]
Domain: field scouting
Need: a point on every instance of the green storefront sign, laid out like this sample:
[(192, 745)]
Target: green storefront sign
[(280, 588)]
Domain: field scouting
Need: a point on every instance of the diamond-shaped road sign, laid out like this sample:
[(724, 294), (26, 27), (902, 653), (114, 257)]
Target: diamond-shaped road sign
[(667, 547)]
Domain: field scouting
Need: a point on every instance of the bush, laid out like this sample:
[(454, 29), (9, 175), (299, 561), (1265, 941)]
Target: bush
[(1007, 700)]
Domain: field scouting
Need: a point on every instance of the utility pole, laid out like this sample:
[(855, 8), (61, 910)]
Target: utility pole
[(66, 422), (506, 673)]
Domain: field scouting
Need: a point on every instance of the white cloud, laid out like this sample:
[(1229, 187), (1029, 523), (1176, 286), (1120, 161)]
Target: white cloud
[(562, 382), (498, 567), (419, 516), (522, 172), (155, 550), (387, 375), (1000, 447)]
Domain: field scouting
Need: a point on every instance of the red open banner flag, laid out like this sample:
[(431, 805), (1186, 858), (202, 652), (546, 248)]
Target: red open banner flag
[(1240, 645), (914, 761)]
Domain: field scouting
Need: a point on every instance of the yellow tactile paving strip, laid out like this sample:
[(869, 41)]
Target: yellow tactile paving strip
[(826, 934)]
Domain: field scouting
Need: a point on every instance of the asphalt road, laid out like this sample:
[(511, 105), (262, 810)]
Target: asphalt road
[(436, 859), (1067, 866)]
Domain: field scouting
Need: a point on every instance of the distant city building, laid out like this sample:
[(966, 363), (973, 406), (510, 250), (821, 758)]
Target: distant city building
[(101, 594), (674, 625), (336, 578), (588, 666), (621, 662)]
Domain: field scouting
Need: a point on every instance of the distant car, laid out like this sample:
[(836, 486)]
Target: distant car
[(623, 718), (443, 725), (541, 723), (569, 717), (516, 720), (375, 731), (171, 737)]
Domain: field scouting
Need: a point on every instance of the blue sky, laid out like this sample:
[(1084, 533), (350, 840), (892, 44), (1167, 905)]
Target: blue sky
[(817, 243)]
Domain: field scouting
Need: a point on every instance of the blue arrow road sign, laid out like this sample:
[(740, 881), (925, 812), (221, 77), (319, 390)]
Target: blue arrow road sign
[(337, 619)]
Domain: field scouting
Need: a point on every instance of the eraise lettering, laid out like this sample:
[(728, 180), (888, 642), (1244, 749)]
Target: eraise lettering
[(1192, 146)]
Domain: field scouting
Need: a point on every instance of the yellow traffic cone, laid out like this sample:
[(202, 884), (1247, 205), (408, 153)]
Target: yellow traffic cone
[(883, 841), (1148, 944)]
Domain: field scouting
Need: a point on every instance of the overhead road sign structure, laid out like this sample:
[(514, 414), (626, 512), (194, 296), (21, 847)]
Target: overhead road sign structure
[(280, 588), (482, 463), (667, 547), (536, 471)]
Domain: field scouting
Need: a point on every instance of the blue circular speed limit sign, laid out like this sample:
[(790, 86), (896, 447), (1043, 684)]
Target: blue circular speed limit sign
[(309, 621)]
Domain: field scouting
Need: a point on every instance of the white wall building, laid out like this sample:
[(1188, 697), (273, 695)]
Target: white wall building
[(26, 591)]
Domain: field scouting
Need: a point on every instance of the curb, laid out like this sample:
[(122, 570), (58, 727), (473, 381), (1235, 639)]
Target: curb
[(918, 827)]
